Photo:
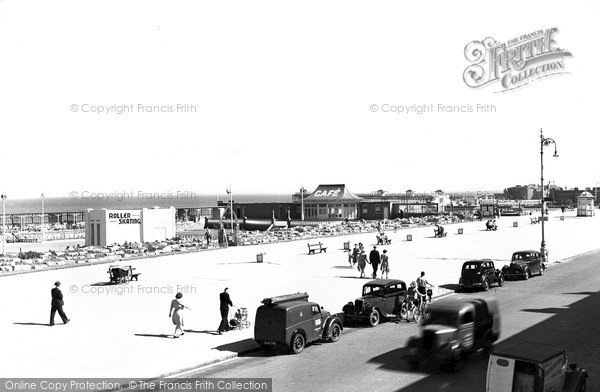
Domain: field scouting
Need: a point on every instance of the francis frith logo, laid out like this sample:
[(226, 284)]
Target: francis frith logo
[(516, 62)]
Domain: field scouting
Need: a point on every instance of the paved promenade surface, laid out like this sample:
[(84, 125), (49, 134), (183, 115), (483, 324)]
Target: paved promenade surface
[(125, 331)]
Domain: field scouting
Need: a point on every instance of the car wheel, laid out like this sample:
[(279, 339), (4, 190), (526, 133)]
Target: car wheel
[(374, 318), (527, 274), (500, 280), (403, 311), (298, 343), (457, 364), (335, 333), (485, 284)]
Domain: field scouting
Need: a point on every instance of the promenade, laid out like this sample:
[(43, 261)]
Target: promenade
[(125, 331)]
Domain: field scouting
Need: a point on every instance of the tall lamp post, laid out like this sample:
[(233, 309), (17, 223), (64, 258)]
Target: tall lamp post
[(544, 142), (230, 208), (43, 228), (3, 196), (302, 190)]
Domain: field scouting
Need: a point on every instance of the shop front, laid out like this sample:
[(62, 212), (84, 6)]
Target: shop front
[(331, 202)]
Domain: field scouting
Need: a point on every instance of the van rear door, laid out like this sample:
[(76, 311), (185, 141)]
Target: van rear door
[(500, 374)]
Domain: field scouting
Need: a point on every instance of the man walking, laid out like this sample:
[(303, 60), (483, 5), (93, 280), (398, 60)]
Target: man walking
[(375, 259), (224, 307), (57, 304)]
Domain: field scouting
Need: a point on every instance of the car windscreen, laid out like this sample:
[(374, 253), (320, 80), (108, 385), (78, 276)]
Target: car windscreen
[(372, 291), (442, 318), (471, 267)]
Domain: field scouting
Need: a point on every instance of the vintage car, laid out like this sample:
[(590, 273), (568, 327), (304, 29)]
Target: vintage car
[(457, 327), (535, 367), (480, 273), (292, 321), (524, 264), (381, 298)]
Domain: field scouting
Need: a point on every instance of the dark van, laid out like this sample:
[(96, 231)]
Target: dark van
[(457, 327), (292, 321)]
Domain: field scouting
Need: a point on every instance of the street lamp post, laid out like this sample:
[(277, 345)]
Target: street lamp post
[(3, 196), (543, 143), (302, 190), (231, 209), (43, 218)]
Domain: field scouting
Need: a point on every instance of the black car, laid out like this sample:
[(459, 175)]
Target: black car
[(380, 298), (524, 264), (480, 273)]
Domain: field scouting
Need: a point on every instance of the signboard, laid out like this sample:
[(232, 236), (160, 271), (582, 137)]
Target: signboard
[(124, 217), (328, 192)]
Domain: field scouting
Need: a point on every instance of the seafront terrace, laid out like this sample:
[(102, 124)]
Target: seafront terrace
[(124, 330)]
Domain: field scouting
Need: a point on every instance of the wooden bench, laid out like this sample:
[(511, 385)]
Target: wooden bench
[(314, 247), (535, 220)]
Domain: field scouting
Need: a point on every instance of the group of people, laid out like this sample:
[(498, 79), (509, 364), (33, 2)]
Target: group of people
[(439, 230), (418, 290), (174, 312), (491, 225), (177, 306), (379, 261)]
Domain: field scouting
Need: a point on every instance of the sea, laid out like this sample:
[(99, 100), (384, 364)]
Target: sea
[(162, 200)]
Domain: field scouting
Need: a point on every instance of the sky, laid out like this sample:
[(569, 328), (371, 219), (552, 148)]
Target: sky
[(277, 95)]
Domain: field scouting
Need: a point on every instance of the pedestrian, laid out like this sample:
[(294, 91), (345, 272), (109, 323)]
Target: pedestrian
[(177, 317), (225, 303), (374, 259), (208, 237), (362, 263), (422, 284), (355, 253), (57, 304), (385, 265)]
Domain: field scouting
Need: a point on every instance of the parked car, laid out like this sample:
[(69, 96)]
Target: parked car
[(524, 264), (532, 366), (480, 273), (292, 321), (457, 327), (381, 298)]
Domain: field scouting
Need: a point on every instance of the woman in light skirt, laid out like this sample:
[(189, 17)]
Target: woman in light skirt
[(177, 317)]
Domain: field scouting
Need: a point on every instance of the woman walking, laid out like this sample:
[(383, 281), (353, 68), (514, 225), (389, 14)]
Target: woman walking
[(176, 308), (385, 264), (362, 263)]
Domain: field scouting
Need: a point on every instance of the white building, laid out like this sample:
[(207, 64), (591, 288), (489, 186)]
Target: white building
[(105, 227)]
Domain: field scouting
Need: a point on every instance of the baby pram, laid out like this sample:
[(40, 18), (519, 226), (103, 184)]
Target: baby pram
[(240, 319)]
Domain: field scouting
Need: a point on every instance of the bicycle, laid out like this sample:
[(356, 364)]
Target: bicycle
[(422, 310), (408, 309)]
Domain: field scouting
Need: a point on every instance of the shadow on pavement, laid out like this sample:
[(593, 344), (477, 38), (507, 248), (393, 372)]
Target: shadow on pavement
[(147, 335), (103, 284), (206, 331), (38, 324), (450, 286), (242, 346)]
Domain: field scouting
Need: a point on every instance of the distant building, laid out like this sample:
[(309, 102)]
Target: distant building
[(105, 227)]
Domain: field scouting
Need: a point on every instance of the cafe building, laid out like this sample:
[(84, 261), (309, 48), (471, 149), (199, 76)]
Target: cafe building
[(331, 202)]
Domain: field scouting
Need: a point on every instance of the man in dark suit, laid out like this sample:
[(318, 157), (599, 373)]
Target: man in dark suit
[(224, 307), (57, 304), (375, 259)]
